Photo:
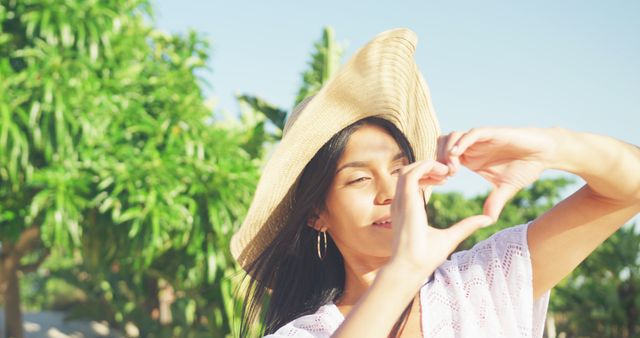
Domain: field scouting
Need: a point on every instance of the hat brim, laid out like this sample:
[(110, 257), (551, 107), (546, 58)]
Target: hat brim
[(381, 79)]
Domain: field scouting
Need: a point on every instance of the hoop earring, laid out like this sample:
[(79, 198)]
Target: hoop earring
[(324, 254)]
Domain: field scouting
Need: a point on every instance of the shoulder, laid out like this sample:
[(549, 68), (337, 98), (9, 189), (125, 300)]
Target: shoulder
[(498, 264), (487, 289), (322, 323)]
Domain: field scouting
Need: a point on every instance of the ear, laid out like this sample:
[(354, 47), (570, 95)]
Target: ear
[(316, 222)]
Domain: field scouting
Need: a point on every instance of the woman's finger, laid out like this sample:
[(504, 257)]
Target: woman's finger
[(445, 143), (433, 181), (407, 201), (463, 229), (468, 139), (420, 168), (415, 175), (452, 161), (498, 198), (438, 176)]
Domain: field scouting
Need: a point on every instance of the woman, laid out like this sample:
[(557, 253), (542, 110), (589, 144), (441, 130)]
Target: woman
[(337, 232)]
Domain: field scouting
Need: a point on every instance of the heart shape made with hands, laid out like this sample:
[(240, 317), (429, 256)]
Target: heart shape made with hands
[(508, 158)]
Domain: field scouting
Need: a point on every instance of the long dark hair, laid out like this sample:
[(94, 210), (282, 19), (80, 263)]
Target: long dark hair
[(289, 269)]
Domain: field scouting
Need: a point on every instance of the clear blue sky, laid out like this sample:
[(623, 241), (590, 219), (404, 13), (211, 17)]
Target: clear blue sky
[(574, 64)]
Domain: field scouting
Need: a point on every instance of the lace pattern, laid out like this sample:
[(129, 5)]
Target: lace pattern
[(485, 291)]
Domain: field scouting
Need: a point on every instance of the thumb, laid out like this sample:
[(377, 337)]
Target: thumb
[(463, 229), (497, 199)]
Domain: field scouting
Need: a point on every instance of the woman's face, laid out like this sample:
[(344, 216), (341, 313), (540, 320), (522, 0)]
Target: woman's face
[(361, 193)]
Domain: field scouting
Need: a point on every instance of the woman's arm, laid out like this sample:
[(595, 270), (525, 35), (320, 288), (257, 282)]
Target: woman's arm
[(566, 234), (511, 158), (380, 307)]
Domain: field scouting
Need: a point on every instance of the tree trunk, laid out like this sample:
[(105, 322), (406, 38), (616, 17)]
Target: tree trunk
[(12, 311), (9, 283), (165, 298), (151, 304), (632, 309)]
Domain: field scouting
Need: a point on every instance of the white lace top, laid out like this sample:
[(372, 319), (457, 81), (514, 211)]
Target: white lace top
[(482, 292)]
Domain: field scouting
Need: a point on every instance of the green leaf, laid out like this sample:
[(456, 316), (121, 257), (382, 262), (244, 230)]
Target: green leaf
[(211, 262), (276, 115)]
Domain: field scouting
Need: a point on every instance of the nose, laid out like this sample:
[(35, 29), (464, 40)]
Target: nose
[(386, 189)]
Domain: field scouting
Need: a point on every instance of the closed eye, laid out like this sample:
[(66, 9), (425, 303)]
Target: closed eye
[(361, 179)]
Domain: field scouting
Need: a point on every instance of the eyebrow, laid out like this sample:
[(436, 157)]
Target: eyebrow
[(361, 164)]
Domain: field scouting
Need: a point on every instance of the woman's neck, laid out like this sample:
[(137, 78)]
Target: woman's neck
[(360, 273)]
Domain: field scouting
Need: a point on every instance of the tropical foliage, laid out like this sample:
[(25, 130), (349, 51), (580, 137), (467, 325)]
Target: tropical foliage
[(119, 191), (106, 156)]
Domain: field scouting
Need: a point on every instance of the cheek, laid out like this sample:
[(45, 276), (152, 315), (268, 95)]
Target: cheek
[(352, 207), (351, 214)]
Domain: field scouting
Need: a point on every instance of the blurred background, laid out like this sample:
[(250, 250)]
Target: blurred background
[(132, 134)]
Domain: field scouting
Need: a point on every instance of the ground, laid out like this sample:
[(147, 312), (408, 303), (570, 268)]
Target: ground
[(51, 324)]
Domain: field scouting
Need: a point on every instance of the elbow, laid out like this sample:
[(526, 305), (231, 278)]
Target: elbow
[(626, 200)]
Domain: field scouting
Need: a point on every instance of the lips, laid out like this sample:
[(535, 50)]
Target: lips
[(384, 222), (388, 225)]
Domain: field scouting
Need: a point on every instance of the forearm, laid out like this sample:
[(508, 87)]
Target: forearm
[(380, 307), (610, 167)]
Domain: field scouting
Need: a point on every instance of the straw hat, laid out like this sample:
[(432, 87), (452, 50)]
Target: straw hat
[(381, 79)]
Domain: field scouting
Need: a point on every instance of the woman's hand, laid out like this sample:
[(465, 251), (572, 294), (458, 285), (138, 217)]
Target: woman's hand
[(418, 250), (509, 158), (417, 246)]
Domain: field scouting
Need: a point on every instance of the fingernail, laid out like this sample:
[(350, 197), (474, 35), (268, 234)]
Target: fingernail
[(454, 150)]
